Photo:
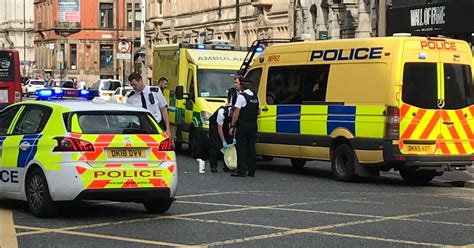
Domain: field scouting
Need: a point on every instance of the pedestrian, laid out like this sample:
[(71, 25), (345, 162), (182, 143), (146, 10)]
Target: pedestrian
[(244, 127), (163, 84), (219, 129), (148, 98)]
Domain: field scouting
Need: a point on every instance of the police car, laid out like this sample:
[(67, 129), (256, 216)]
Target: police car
[(54, 151)]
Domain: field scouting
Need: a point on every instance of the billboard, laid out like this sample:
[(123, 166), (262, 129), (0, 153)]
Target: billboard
[(69, 11)]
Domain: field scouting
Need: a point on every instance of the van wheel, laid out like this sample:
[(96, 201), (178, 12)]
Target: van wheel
[(417, 177), (38, 196), (343, 163), (157, 205), (298, 163)]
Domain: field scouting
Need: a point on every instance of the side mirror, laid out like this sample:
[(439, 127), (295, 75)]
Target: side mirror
[(179, 92)]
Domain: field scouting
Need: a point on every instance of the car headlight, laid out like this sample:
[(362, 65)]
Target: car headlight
[(205, 117)]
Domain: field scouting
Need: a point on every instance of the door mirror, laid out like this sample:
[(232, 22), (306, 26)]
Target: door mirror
[(179, 92)]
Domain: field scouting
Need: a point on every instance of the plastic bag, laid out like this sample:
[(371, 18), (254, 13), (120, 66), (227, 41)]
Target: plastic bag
[(230, 156)]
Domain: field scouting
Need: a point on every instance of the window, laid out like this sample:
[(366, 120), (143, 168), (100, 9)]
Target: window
[(103, 122), (106, 57), (297, 84), (138, 16), (254, 76), (111, 85), (214, 83), (73, 56), (106, 12), (160, 7), (6, 119), (190, 81), (420, 85), (32, 120), (6, 67), (458, 88)]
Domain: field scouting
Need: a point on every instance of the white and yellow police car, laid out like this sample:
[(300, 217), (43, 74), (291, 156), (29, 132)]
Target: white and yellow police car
[(54, 151)]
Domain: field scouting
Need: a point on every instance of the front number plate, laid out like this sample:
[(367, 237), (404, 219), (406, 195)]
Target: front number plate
[(126, 153)]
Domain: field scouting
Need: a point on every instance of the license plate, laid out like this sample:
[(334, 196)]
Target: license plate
[(126, 153), (420, 148)]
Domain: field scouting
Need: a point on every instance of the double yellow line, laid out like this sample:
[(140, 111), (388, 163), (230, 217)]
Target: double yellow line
[(7, 230)]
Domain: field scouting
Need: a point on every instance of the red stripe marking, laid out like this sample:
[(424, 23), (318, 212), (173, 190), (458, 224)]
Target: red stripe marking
[(471, 109), (130, 183), (171, 168), (98, 184), (454, 134), (158, 182), (414, 123), (147, 138), (75, 135), (140, 165), (80, 170), (113, 165), (442, 145), (101, 141), (466, 127), (429, 128), (403, 110)]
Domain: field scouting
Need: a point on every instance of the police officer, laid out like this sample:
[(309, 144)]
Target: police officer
[(219, 127), (244, 126), (148, 98)]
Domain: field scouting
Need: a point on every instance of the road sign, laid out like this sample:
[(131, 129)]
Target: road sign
[(124, 49)]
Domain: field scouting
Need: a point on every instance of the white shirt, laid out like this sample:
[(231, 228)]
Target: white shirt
[(241, 102), (160, 101), (220, 116)]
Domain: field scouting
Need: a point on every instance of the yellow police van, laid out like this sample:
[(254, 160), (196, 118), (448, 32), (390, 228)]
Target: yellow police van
[(368, 105), (198, 78)]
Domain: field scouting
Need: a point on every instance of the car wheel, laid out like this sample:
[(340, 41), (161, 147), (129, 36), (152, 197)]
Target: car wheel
[(298, 163), (158, 205), (343, 163), (418, 177), (38, 196)]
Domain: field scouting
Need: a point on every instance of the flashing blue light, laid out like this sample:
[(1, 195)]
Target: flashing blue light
[(58, 91), (201, 46), (422, 55), (84, 93), (259, 49), (44, 93)]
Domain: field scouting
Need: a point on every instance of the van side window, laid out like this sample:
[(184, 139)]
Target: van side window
[(254, 75), (458, 88), (420, 85), (297, 84)]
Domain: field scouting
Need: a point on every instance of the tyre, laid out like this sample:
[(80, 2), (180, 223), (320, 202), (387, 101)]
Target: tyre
[(157, 206), (417, 177), (267, 158), (38, 196), (343, 163), (298, 163)]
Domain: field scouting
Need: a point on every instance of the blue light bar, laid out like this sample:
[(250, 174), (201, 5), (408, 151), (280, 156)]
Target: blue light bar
[(259, 49), (84, 93), (44, 93), (201, 46), (48, 93)]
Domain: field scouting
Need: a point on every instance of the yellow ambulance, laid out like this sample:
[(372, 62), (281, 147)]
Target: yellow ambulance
[(199, 76), (368, 105)]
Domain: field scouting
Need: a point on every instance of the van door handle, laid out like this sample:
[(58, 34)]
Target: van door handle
[(265, 109), (448, 122)]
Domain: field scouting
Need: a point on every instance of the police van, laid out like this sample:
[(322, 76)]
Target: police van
[(368, 105)]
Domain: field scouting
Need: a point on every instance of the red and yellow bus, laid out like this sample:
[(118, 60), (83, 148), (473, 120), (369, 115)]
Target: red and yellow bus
[(10, 78)]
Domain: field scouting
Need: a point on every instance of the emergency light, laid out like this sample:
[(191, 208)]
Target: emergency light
[(47, 94)]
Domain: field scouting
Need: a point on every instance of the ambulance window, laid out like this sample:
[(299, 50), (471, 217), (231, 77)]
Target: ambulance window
[(32, 120), (6, 118), (420, 85), (190, 81), (458, 89)]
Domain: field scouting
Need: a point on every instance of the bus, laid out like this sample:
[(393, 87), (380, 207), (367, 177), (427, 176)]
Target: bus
[(10, 78)]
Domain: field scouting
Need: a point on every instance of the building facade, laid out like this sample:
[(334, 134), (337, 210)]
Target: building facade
[(79, 39), (198, 21), (16, 31), (339, 19)]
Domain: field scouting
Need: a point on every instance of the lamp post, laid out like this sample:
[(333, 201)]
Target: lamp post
[(24, 38)]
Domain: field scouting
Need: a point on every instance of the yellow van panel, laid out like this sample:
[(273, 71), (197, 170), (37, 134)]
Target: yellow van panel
[(313, 119)]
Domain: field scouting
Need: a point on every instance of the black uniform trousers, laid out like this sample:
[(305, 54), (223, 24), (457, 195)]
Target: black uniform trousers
[(246, 136), (215, 147)]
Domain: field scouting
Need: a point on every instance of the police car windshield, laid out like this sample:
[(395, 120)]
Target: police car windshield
[(214, 83), (110, 122)]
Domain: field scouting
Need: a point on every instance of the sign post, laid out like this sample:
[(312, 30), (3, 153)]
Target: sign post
[(124, 50)]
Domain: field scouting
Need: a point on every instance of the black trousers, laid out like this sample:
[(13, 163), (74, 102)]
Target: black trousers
[(215, 149), (246, 137)]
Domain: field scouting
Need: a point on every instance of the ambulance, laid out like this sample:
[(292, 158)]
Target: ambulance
[(368, 105), (199, 76)]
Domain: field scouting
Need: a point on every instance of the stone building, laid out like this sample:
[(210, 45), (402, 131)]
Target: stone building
[(339, 19), (16, 31), (238, 21), (80, 38)]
